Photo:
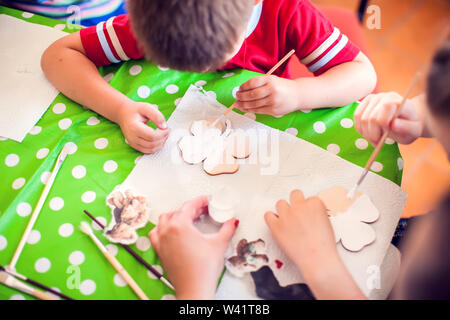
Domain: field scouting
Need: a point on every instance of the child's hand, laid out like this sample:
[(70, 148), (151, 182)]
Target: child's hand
[(193, 261), (133, 119), (375, 113), (268, 94), (303, 231)]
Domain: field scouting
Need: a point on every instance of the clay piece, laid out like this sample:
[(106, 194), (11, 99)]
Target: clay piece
[(130, 212), (217, 147), (250, 256), (221, 206), (350, 218)]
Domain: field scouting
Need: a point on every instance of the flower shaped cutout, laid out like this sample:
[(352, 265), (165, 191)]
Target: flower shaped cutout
[(217, 147), (350, 218)]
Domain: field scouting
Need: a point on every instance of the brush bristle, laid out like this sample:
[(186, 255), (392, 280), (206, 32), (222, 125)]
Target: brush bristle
[(84, 226), (351, 193)]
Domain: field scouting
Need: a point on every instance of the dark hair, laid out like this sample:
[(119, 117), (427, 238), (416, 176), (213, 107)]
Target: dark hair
[(188, 35), (438, 83)]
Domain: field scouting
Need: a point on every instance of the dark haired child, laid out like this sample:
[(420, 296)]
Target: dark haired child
[(201, 35)]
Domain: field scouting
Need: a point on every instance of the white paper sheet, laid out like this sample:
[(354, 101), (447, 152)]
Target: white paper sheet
[(297, 164), (25, 93)]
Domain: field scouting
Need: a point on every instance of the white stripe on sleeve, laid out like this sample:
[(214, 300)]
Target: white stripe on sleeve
[(115, 40), (330, 55), (323, 47), (104, 43)]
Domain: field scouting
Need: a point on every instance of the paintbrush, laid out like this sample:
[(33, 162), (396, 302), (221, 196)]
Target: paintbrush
[(37, 209), (136, 256), (351, 194), (10, 281), (275, 67), (35, 283), (114, 262)]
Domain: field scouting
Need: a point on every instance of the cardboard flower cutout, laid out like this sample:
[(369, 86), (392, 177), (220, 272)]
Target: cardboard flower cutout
[(350, 217), (217, 147)]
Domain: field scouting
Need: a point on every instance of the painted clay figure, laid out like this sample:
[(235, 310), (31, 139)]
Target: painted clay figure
[(250, 256)]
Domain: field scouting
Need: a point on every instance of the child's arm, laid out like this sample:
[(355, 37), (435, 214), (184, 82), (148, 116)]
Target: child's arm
[(303, 231), (375, 114), (338, 86), (71, 72)]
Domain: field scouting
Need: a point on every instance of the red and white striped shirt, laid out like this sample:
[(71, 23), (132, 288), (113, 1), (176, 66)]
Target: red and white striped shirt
[(275, 28)]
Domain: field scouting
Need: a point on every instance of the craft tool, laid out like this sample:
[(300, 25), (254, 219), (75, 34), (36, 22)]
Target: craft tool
[(275, 67), (35, 283), (59, 161), (136, 256), (352, 192), (114, 262), (10, 281)]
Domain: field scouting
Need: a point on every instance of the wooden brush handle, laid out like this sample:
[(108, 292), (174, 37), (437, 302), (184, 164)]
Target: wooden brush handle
[(43, 295)]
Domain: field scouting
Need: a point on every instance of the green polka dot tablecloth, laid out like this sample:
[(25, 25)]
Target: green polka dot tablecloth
[(57, 253)]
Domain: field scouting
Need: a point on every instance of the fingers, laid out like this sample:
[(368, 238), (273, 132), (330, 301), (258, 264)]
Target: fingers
[(253, 83), (193, 209), (226, 232), (406, 131), (282, 206), (154, 115), (253, 94), (253, 106), (149, 147), (147, 133), (271, 220), (296, 198), (154, 238)]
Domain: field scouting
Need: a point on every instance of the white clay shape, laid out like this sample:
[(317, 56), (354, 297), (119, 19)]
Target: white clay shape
[(221, 206)]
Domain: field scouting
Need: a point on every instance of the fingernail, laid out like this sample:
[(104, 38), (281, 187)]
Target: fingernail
[(164, 125), (236, 223)]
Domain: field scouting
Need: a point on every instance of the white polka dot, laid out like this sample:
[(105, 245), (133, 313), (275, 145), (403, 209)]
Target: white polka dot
[(319, 127), (44, 176), (171, 89), (250, 115), (333, 148), (306, 110), (3, 139), (87, 287), (211, 94), (42, 265), (88, 196), (361, 144), (71, 147), (168, 297), (34, 237), (143, 92), (18, 183), (64, 124), (76, 258), (376, 167), (92, 121), (135, 70), (56, 204), (101, 143), (292, 131), (36, 130), (110, 166), (177, 101), (227, 75), (143, 243), (17, 297), (65, 230), (200, 83), (12, 160), (27, 14), (158, 268), (163, 68), (118, 281), (112, 248), (3, 243), (23, 209), (390, 141), (59, 108), (60, 27), (108, 77), (79, 172), (42, 153), (347, 123), (102, 220), (400, 163), (235, 89)]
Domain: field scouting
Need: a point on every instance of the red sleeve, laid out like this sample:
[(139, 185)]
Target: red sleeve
[(319, 45), (110, 42)]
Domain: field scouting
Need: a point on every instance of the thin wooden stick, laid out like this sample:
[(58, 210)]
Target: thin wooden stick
[(114, 262), (12, 282), (275, 67), (37, 209), (135, 255), (35, 283), (382, 141)]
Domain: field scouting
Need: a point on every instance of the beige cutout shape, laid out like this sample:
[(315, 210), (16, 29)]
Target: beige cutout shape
[(217, 147), (336, 200)]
